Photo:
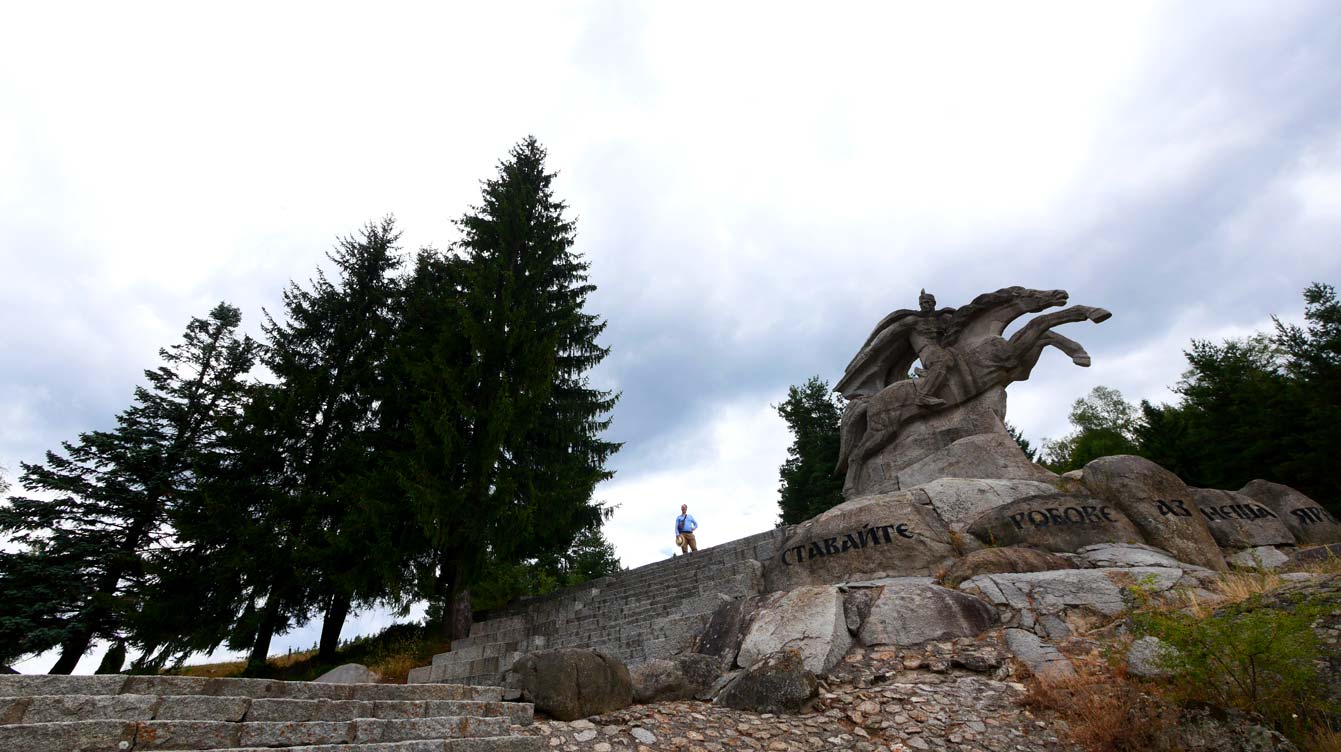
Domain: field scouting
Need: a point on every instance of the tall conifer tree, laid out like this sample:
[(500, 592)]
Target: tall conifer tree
[(105, 503), (521, 417), (330, 356)]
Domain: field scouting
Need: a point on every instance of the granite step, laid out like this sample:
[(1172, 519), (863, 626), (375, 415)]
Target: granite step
[(97, 735), (59, 708), (27, 685)]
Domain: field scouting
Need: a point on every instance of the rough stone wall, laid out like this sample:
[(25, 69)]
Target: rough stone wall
[(653, 611)]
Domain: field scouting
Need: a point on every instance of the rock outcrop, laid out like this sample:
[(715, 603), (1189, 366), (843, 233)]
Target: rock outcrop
[(909, 613), (1158, 503), (1057, 522), (895, 534), (808, 620), (997, 560), (780, 683)]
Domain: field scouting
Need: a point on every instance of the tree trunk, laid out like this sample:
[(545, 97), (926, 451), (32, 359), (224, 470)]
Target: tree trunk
[(442, 588), (336, 613), (72, 649), (458, 613), (269, 625)]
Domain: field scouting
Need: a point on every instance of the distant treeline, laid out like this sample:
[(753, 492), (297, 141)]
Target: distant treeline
[(404, 432), (1266, 406)]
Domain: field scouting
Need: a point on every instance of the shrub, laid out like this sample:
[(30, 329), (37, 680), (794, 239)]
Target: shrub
[(1248, 656)]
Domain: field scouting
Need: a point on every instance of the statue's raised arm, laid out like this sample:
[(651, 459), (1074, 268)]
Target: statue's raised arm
[(963, 356)]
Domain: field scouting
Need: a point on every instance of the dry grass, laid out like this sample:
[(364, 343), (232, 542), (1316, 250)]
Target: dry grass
[(235, 668), (1104, 710), (392, 654), (1320, 739)]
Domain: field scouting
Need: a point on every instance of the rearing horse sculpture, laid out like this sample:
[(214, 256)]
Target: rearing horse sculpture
[(962, 354)]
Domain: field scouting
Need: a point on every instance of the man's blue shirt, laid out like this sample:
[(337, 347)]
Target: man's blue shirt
[(689, 524)]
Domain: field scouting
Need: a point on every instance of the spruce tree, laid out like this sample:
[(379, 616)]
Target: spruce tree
[(808, 484), (511, 447), (103, 506), (329, 355)]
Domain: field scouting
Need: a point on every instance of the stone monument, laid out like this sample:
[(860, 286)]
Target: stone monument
[(905, 426)]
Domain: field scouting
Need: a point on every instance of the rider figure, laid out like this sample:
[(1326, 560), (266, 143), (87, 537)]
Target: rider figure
[(925, 337)]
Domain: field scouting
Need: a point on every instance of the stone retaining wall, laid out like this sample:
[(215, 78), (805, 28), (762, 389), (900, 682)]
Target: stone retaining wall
[(653, 611)]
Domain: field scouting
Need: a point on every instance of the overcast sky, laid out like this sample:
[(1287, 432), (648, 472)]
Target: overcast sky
[(755, 185)]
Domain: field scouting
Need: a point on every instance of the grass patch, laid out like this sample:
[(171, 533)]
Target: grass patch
[(391, 653), (1104, 710)]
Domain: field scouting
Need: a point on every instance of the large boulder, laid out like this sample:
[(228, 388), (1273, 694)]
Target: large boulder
[(870, 537), (959, 501), (726, 629), (1057, 604), (909, 613), (1056, 522), (1007, 559), (780, 683), (1306, 519), (1237, 521), (683, 677), (1158, 503), (573, 684), (809, 620), (350, 673)]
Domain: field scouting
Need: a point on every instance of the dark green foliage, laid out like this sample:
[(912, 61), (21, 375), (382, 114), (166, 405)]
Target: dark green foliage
[(1252, 656), (808, 484), (507, 448), (1105, 425), (420, 435), (1237, 419), (1312, 361), (590, 557), (1267, 406), (1025, 447), (330, 356), (93, 537)]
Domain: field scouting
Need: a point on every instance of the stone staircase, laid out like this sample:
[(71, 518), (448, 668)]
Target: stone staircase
[(120, 713), (653, 611)]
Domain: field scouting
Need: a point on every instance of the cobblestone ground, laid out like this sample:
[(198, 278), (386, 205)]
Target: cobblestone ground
[(875, 701)]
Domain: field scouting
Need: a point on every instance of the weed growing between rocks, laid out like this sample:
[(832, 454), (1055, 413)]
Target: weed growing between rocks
[(1247, 656)]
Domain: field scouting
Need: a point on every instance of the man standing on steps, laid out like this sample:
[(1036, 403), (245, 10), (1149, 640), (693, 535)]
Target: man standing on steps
[(684, 530)]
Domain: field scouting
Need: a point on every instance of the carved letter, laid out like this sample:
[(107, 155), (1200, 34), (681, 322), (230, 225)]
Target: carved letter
[(1079, 519), (902, 530), (1091, 514), (1042, 520), (1106, 513), (1018, 519), (831, 546), (814, 551)]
